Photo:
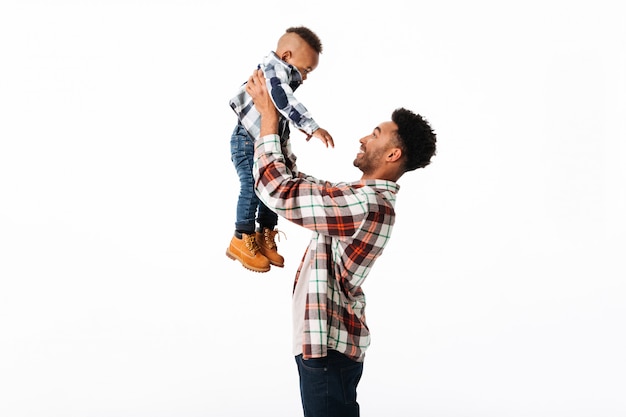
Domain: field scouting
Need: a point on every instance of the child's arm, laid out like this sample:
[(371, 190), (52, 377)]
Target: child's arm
[(288, 105)]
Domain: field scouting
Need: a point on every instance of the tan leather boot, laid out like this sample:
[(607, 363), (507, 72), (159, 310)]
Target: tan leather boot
[(246, 250), (267, 243)]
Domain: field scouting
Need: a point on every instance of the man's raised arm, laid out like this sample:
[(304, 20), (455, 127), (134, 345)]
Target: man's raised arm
[(263, 103)]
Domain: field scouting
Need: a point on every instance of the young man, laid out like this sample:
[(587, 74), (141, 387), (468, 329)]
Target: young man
[(351, 224)]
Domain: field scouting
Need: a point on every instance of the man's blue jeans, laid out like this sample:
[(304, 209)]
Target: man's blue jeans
[(242, 156), (328, 385)]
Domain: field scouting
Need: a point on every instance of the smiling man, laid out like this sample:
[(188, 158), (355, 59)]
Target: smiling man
[(351, 224)]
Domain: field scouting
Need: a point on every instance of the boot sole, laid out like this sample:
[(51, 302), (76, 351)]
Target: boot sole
[(251, 268), (277, 265)]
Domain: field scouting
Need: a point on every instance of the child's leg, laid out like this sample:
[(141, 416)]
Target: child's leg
[(243, 245), (242, 156), (266, 235), (267, 218)]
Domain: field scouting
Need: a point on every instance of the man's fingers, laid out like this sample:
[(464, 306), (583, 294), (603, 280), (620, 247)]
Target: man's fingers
[(255, 76), (254, 82)]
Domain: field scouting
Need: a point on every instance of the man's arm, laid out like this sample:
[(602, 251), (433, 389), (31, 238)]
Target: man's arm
[(330, 209), (263, 103)]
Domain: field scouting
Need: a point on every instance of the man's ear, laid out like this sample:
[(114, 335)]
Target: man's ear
[(394, 154)]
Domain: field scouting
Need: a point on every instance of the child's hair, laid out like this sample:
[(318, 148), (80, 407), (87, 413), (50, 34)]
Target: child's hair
[(419, 142), (309, 37)]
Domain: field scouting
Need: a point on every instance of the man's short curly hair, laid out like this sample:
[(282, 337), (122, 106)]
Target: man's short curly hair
[(417, 139), (309, 37)]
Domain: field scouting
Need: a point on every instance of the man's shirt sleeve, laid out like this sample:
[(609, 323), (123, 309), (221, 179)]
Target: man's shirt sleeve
[(330, 209)]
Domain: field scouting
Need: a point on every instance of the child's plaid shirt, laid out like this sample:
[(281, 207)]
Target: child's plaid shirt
[(282, 80), (351, 224)]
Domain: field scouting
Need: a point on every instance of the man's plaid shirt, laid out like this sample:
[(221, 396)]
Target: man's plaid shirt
[(282, 80), (351, 224)]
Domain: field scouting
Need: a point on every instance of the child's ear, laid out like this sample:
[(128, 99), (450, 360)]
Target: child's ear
[(286, 55)]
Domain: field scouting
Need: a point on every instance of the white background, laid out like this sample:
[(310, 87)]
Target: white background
[(502, 292)]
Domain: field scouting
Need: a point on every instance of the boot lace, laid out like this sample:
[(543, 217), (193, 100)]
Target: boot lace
[(269, 235), (251, 244)]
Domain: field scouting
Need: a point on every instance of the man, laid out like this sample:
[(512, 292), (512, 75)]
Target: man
[(351, 224)]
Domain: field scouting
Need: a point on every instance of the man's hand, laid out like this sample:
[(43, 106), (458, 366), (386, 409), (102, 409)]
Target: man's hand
[(260, 96)]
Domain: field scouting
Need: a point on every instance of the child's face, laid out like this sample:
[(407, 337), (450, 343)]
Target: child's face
[(305, 59)]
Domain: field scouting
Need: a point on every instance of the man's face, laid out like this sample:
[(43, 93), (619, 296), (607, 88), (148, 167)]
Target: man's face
[(305, 59), (375, 146)]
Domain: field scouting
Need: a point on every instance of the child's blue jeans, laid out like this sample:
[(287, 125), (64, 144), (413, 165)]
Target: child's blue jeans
[(242, 156)]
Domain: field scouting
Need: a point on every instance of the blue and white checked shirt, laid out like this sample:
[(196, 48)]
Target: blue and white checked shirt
[(282, 80)]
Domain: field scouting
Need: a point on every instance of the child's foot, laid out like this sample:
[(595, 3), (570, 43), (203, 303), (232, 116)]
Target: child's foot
[(267, 244), (246, 250)]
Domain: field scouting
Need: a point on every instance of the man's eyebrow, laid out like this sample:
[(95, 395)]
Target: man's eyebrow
[(377, 129)]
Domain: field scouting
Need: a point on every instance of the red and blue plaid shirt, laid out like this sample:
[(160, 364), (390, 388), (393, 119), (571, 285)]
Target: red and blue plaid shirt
[(351, 224)]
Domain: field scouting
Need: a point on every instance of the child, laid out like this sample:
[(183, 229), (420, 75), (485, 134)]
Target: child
[(296, 55)]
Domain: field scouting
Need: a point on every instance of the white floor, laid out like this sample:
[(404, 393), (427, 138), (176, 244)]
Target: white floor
[(501, 293)]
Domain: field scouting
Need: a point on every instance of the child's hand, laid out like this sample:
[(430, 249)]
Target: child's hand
[(324, 136)]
